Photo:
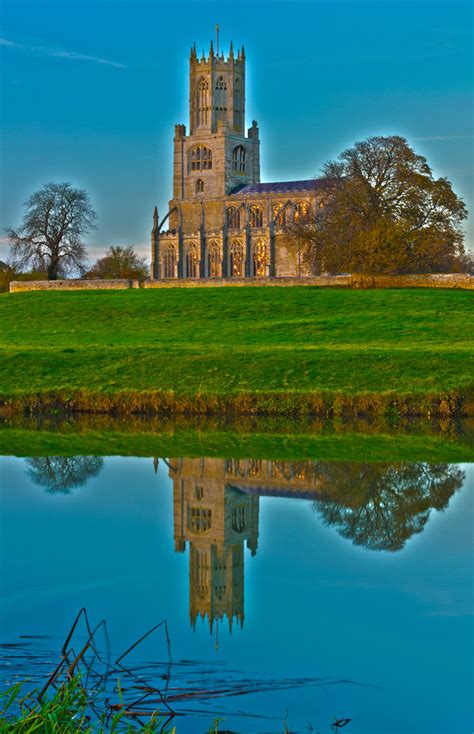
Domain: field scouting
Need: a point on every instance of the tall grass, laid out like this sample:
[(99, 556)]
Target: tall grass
[(68, 710)]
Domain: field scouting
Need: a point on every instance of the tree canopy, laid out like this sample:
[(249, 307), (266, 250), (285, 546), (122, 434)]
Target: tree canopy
[(50, 238), (119, 262), (62, 474), (384, 212), (380, 505)]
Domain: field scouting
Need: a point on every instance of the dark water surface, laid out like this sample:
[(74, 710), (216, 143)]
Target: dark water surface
[(348, 586)]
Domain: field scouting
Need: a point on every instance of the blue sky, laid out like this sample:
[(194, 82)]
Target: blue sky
[(91, 92)]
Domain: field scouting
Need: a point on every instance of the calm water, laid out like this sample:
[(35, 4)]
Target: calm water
[(349, 587)]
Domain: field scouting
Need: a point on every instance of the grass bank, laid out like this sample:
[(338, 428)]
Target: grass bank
[(269, 351), (275, 439)]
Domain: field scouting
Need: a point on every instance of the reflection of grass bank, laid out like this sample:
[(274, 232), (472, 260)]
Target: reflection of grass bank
[(246, 438), (242, 350)]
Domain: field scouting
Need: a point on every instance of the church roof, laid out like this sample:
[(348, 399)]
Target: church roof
[(281, 187)]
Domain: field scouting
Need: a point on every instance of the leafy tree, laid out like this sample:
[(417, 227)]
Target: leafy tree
[(381, 505), (50, 238), (10, 271), (119, 262), (384, 212), (61, 474)]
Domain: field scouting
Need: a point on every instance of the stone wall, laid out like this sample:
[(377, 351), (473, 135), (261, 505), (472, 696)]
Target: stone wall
[(330, 280), (72, 284), (448, 280), (429, 280)]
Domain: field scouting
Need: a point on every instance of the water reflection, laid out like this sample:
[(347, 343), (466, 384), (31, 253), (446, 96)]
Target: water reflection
[(62, 474), (216, 510), (380, 506)]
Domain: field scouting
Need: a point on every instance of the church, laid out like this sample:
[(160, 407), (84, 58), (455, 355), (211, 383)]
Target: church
[(222, 221)]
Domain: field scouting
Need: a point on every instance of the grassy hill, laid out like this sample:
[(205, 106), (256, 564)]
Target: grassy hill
[(270, 350)]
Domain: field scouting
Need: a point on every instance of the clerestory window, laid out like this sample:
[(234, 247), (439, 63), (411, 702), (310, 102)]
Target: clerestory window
[(301, 213), (279, 214), (256, 216), (233, 217)]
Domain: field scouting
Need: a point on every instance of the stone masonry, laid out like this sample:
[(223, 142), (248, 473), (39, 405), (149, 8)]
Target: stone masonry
[(222, 222)]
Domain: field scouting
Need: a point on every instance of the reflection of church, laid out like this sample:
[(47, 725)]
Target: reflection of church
[(216, 508)]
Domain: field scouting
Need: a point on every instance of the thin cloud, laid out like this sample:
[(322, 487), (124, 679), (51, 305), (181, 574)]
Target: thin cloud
[(444, 137), (12, 44), (59, 54), (84, 57)]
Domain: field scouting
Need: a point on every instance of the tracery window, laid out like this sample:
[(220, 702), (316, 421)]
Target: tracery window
[(237, 105), (279, 214), (301, 213), (169, 261), (238, 159), (199, 186), (256, 216), (260, 258), (233, 217), (202, 102), (201, 572), (238, 518), (255, 467), (199, 519), (236, 260), (221, 99), (192, 260), (232, 467), (201, 158), (214, 260)]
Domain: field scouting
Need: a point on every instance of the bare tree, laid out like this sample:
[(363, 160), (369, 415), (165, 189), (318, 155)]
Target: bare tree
[(50, 238), (62, 474)]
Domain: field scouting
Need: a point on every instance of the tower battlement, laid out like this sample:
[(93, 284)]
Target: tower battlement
[(216, 59)]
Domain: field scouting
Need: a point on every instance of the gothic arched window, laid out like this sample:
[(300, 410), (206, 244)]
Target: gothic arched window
[(256, 216), (214, 260), (237, 105), (233, 217), (202, 102), (236, 260), (200, 572), (199, 519), (199, 186), (201, 158), (238, 518), (260, 258), (238, 159), (221, 99), (279, 214), (169, 261), (301, 213), (191, 260)]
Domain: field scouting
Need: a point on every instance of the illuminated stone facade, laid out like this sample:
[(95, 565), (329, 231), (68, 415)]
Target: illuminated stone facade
[(222, 222), (216, 510)]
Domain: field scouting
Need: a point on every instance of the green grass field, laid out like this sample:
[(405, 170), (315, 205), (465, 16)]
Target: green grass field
[(281, 343)]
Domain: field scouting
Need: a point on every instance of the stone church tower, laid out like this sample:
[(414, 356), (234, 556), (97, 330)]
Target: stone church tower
[(222, 222)]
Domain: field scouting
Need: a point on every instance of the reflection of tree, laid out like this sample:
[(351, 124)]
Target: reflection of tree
[(63, 473), (380, 506)]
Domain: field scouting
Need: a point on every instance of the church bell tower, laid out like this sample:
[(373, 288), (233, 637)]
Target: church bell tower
[(216, 156)]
